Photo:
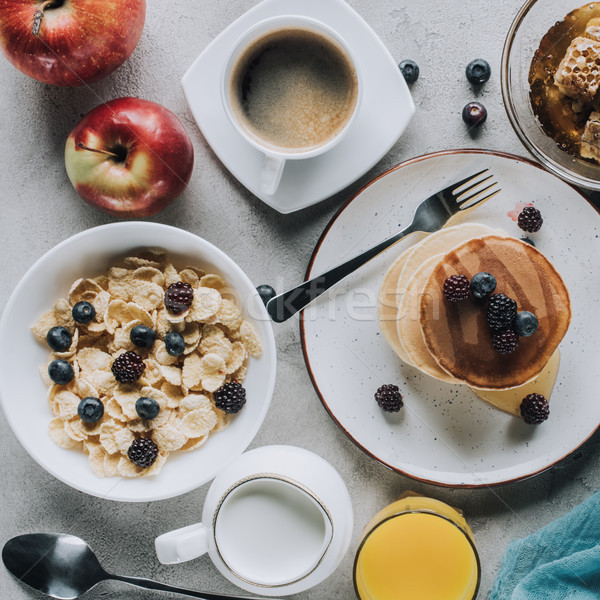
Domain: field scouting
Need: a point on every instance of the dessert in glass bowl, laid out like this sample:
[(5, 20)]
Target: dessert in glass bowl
[(565, 78), (550, 78)]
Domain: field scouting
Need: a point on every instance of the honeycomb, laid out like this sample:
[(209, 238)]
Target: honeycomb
[(578, 74), (590, 140), (592, 29)]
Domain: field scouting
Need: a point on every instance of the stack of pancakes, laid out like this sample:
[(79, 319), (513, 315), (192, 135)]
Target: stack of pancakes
[(452, 341)]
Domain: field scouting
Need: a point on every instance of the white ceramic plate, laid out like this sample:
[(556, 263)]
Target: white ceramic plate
[(445, 434), (386, 108), (23, 394)]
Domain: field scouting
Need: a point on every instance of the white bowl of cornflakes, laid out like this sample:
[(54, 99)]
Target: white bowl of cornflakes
[(122, 270)]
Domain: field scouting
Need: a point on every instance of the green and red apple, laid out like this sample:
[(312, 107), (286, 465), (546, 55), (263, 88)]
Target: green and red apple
[(129, 157), (70, 42)]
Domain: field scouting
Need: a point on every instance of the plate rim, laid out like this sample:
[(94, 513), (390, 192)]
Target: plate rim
[(336, 215)]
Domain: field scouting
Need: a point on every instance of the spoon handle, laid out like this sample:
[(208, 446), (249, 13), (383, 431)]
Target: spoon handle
[(163, 587)]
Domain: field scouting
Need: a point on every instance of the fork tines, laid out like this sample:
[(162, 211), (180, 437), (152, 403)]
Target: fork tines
[(459, 193)]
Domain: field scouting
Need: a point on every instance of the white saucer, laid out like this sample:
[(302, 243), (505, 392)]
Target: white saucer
[(386, 108)]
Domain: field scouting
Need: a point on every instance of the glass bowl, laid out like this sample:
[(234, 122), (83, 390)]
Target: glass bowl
[(530, 25)]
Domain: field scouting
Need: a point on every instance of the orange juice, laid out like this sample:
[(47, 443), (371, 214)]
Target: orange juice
[(417, 549)]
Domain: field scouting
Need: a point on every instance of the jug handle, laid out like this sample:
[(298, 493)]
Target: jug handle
[(182, 544)]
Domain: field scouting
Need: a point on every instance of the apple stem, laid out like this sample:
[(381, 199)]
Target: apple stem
[(111, 154), (38, 16)]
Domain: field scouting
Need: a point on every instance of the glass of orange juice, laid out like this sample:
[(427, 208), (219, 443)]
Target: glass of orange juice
[(417, 548)]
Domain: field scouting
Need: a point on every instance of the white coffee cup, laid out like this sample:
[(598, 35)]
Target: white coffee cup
[(275, 153), (276, 521)]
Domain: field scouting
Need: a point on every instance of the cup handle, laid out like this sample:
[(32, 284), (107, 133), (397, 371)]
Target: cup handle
[(270, 175), (182, 544)]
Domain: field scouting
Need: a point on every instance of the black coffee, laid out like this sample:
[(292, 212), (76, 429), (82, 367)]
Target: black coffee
[(294, 89)]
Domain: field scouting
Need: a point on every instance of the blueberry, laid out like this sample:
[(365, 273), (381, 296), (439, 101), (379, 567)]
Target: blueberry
[(527, 241), (525, 323), (410, 70), (482, 285), (474, 114), (83, 312), (266, 292), (90, 409), (478, 71), (147, 408), (142, 336), (174, 343), (61, 372), (59, 339)]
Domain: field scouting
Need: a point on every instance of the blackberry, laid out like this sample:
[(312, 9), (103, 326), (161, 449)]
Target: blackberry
[(83, 312), (142, 336), (534, 409), (456, 288), (128, 367), (410, 70), (389, 398), (90, 409), (482, 285), (59, 339), (501, 312), (147, 408), (505, 342), (230, 397), (474, 114), (530, 219), (178, 297), (525, 323), (61, 372), (142, 452), (174, 343), (478, 71)]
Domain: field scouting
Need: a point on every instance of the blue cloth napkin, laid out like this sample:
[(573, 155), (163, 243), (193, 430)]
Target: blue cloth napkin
[(559, 562)]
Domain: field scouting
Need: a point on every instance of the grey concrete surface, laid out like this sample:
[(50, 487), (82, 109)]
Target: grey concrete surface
[(39, 208)]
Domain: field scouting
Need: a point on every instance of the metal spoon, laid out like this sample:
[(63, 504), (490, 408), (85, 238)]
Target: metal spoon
[(65, 567)]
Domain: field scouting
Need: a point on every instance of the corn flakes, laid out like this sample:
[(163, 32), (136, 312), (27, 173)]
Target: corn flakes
[(217, 345)]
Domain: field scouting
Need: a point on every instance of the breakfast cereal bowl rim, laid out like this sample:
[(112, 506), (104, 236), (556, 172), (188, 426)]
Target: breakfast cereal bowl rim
[(92, 240), (508, 57)]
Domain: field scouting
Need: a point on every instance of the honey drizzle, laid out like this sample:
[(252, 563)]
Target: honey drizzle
[(554, 110)]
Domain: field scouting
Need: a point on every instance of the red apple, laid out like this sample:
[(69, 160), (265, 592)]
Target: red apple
[(129, 157), (70, 42)]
